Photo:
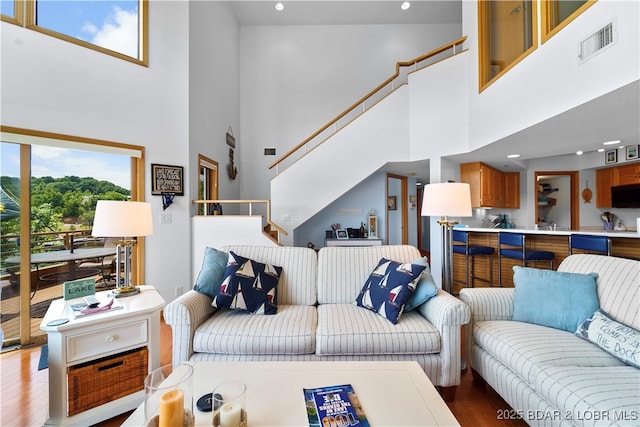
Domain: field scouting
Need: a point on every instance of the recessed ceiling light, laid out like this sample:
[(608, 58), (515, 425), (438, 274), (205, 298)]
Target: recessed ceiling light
[(279, 7), (405, 5), (600, 150), (579, 152), (612, 142), (513, 156)]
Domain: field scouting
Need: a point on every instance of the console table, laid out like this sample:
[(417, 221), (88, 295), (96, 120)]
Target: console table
[(101, 341), (353, 242)]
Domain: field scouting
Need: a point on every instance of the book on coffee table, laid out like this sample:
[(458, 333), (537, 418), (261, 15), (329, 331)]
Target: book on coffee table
[(334, 405)]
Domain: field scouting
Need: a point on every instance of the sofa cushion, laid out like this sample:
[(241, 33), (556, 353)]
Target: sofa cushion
[(343, 270), (426, 288), (297, 285), (617, 339), (345, 329), (212, 271), (593, 395), (291, 331), (560, 300), (618, 278), (249, 286), (388, 288), (526, 348)]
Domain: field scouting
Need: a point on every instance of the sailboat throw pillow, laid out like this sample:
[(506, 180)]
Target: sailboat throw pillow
[(389, 287), (249, 286)]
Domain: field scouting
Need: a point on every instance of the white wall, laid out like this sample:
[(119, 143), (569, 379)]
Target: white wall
[(294, 79), (54, 86)]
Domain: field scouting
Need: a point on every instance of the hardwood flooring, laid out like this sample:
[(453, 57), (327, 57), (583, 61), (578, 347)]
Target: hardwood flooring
[(24, 392)]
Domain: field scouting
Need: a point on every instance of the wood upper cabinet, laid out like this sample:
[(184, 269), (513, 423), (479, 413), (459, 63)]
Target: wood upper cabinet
[(512, 190), (490, 187), (609, 177), (627, 174), (604, 182)]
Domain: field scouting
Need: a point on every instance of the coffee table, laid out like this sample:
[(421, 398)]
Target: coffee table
[(391, 393)]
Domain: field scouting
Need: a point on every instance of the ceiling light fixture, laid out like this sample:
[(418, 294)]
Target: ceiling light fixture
[(579, 152), (513, 156), (405, 5), (612, 142), (600, 150), (279, 7)]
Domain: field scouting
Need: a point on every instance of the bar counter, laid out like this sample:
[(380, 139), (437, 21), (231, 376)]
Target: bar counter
[(625, 244)]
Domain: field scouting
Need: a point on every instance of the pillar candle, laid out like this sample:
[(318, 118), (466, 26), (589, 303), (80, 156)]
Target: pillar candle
[(171, 409), (230, 415)]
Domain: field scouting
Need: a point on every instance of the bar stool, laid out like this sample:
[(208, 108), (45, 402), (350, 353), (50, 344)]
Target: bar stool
[(591, 243), (517, 250), (470, 252)]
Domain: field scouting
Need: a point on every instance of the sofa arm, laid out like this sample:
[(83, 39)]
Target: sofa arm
[(184, 315), (485, 304), (448, 314)]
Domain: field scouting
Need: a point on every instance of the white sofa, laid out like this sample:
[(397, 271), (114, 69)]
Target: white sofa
[(317, 318), (553, 377)]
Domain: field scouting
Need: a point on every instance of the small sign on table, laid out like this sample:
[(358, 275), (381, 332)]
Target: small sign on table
[(79, 288)]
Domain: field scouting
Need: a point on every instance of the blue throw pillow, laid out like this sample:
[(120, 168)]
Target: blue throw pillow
[(426, 288), (389, 287), (617, 339), (249, 285), (551, 298), (212, 272)]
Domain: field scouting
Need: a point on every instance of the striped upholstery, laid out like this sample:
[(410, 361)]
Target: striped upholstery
[(291, 331), (346, 329), (334, 329), (552, 376), (342, 271)]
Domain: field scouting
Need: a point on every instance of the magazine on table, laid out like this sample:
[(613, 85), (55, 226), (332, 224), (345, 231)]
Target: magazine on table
[(334, 405), (81, 308)]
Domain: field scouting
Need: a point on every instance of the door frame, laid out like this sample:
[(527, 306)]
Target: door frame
[(404, 199), (574, 196)]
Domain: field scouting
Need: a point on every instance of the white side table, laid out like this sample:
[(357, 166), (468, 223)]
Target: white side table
[(90, 338)]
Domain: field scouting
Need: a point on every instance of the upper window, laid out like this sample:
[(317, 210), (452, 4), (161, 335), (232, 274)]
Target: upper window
[(507, 35), (117, 28), (556, 14)]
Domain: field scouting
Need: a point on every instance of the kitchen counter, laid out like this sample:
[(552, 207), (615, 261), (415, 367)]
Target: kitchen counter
[(624, 244), (559, 232)]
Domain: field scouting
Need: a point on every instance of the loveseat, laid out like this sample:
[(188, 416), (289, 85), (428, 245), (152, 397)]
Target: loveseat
[(317, 319), (551, 376)]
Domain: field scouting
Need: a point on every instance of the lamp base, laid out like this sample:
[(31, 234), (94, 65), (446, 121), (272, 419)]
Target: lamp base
[(125, 291)]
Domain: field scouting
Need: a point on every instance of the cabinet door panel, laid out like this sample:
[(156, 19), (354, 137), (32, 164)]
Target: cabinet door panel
[(604, 181)]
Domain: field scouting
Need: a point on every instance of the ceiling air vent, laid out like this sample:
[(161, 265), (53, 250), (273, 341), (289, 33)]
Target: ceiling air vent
[(596, 42)]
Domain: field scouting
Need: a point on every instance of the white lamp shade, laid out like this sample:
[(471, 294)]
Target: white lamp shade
[(447, 199), (122, 219)]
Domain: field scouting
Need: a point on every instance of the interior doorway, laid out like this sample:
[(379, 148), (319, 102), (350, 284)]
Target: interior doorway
[(568, 209), (397, 212)]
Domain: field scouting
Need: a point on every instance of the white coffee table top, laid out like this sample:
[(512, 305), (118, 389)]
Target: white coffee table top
[(391, 393)]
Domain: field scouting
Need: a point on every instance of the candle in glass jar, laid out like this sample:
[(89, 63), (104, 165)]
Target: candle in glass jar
[(171, 409), (230, 415)]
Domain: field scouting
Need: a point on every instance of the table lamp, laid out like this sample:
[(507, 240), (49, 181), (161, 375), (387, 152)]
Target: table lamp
[(124, 220), (446, 200)]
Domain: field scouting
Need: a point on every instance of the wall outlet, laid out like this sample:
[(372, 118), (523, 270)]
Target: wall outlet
[(178, 291)]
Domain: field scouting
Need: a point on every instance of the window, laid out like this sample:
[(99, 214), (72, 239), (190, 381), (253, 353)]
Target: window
[(507, 34), (556, 14), (114, 27)]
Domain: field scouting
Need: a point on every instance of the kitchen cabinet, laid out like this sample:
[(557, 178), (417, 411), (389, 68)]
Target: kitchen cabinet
[(512, 190), (604, 182), (490, 187), (627, 174)]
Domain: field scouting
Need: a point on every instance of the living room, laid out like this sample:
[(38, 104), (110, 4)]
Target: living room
[(209, 74)]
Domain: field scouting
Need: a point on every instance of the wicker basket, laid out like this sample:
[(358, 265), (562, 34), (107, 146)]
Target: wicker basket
[(100, 381)]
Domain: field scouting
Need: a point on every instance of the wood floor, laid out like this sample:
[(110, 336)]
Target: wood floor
[(24, 392)]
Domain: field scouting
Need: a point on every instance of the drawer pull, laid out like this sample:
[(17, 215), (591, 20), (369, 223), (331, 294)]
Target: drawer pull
[(113, 365), (109, 339)]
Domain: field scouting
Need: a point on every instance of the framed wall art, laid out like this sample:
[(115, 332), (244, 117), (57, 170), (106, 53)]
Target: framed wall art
[(632, 152), (167, 179), (611, 156)]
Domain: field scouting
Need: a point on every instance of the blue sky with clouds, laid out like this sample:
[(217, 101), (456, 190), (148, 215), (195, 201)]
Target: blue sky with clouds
[(59, 162)]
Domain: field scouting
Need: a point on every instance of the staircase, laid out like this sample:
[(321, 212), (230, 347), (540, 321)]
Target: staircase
[(325, 171)]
